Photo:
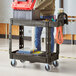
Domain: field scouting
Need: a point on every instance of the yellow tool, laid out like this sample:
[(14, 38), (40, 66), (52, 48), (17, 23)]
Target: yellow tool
[(37, 52)]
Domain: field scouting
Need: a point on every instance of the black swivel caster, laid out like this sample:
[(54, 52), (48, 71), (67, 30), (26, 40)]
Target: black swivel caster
[(13, 63), (47, 67), (55, 63), (22, 61)]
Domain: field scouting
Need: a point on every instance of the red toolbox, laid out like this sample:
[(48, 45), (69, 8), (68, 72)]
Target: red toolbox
[(23, 10), (23, 5)]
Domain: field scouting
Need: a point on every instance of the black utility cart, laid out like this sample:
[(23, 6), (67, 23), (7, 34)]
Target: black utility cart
[(45, 57)]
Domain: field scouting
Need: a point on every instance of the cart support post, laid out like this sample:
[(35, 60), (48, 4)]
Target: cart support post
[(57, 49), (48, 42), (21, 37), (10, 36)]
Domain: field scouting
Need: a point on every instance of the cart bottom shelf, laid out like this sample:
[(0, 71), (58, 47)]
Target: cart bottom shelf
[(42, 58)]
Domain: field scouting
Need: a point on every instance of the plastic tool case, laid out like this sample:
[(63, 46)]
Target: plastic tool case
[(23, 10)]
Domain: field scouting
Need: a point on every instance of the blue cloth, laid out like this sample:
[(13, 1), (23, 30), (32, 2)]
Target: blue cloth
[(38, 31)]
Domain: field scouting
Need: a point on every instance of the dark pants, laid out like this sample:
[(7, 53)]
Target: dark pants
[(38, 31)]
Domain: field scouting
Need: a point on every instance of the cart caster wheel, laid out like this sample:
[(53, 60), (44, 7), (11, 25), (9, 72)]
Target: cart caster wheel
[(55, 63), (13, 63), (22, 61), (47, 67), (31, 62)]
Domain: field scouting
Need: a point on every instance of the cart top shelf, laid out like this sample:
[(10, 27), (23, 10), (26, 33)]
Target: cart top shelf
[(39, 23)]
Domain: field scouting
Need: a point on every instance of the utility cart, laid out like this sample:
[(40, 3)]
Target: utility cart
[(46, 56)]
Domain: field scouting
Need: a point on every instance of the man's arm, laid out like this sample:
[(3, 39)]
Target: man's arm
[(42, 4), (46, 7)]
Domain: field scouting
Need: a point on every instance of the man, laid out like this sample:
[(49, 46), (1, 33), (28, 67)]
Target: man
[(47, 8)]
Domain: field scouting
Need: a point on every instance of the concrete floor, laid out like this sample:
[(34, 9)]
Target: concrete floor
[(67, 67)]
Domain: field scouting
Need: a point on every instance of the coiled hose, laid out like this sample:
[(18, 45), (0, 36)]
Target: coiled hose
[(59, 35)]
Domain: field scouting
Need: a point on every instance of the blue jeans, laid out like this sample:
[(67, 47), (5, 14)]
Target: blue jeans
[(38, 31)]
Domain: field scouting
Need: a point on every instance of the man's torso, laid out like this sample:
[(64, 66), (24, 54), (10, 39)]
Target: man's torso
[(46, 7)]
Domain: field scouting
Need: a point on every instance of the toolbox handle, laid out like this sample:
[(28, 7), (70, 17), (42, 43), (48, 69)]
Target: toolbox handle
[(29, 1), (26, 0)]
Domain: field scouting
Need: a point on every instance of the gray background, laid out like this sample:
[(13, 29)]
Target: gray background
[(5, 11)]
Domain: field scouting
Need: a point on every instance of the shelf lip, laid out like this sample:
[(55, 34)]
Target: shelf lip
[(31, 54), (27, 55), (38, 23)]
